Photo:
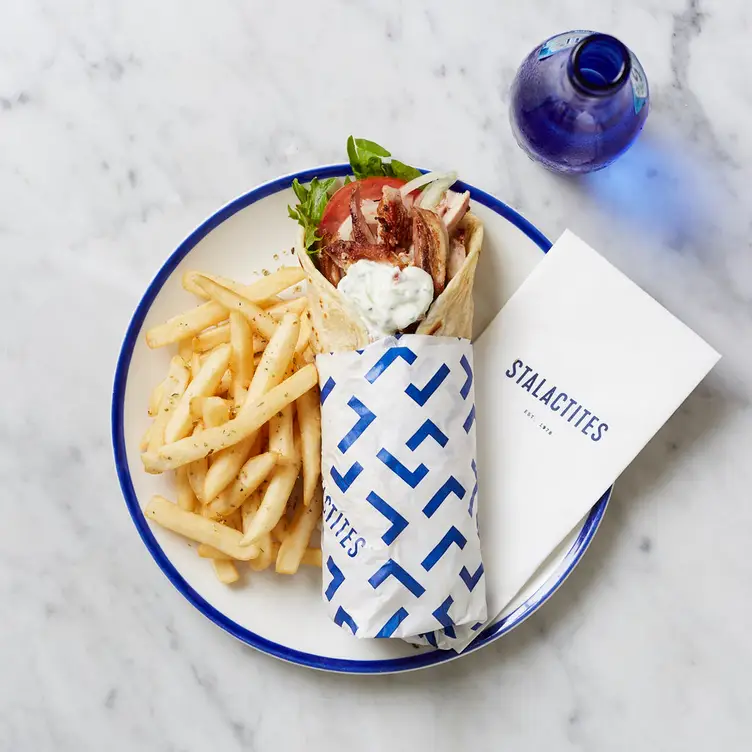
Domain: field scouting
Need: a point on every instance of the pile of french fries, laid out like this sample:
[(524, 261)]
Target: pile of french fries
[(237, 418)]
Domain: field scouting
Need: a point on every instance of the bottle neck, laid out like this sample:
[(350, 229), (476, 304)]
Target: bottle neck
[(599, 65)]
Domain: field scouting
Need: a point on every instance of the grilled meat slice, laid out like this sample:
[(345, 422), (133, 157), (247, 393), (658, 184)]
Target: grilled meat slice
[(452, 208), (338, 255), (457, 253), (395, 227), (430, 246), (361, 232), (329, 268)]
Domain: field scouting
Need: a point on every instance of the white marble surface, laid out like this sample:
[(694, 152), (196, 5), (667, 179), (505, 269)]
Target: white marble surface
[(124, 124)]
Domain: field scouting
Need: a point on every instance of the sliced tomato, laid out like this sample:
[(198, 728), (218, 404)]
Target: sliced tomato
[(338, 208)]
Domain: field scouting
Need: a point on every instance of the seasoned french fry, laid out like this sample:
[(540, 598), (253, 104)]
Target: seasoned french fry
[(196, 472), (185, 495), (251, 476), (281, 483), (174, 389), (241, 363), (203, 384), (234, 520), (309, 425), (215, 411), (258, 292), (207, 552), (155, 399), (312, 557), (225, 382), (144, 445), (251, 417), (271, 370), (281, 434), (259, 320), (296, 305), (186, 325), (305, 333), (293, 547), (210, 338), (226, 571), (185, 351), (199, 529), (279, 533), (267, 553)]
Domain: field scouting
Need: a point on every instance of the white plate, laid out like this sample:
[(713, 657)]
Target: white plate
[(283, 615)]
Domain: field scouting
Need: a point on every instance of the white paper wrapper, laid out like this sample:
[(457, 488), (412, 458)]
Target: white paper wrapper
[(400, 538)]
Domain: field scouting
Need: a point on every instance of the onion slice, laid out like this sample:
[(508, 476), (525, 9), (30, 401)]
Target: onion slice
[(422, 180)]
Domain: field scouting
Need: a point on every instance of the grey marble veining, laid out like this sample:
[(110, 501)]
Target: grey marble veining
[(122, 125)]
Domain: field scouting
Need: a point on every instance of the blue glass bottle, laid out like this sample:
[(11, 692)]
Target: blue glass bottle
[(578, 101)]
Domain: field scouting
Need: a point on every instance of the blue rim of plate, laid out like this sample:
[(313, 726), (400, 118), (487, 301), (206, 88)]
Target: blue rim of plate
[(393, 665)]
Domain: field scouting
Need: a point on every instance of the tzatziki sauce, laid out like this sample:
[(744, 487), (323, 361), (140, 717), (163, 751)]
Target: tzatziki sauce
[(388, 298)]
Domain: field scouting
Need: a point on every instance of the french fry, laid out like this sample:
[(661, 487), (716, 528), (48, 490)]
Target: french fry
[(210, 338), (309, 425), (305, 333), (251, 476), (279, 533), (297, 305), (274, 363), (203, 384), (185, 495), (155, 398), (174, 389), (207, 552), (312, 557), (241, 363), (225, 383), (195, 364), (185, 351), (235, 520), (186, 325), (293, 547), (196, 472), (267, 553), (258, 292), (144, 445), (281, 434), (251, 417), (261, 321), (281, 483), (215, 411), (199, 529), (226, 571)]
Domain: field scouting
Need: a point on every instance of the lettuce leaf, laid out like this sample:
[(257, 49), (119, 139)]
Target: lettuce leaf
[(312, 202), (368, 159)]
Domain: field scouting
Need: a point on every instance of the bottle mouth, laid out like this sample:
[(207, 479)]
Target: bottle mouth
[(599, 64)]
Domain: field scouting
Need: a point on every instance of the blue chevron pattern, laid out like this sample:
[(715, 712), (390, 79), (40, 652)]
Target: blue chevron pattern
[(442, 613), (394, 621), (452, 537), (471, 580), (421, 396), (337, 578), (342, 617), (428, 429), (365, 418), (475, 489), (399, 523), (468, 424), (411, 477), (469, 381), (430, 637), (387, 359), (392, 569), (345, 481), (327, 389), (452, 486)]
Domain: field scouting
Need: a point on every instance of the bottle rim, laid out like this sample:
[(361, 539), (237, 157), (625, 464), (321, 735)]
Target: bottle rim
[(604, 49)]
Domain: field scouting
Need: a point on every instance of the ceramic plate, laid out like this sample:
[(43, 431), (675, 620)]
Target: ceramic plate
[(280, 615)]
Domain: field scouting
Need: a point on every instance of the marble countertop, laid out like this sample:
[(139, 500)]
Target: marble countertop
[(123, 125)]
